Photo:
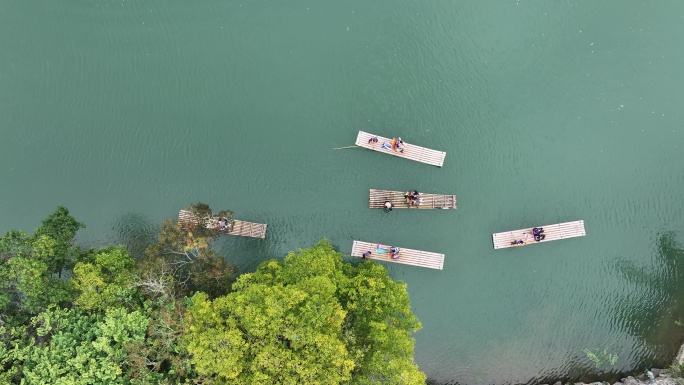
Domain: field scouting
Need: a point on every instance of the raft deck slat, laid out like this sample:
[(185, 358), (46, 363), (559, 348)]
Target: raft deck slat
[(552, 232), (411, 151), (248, 229), (377, 199), (240, 228), (406, 256)]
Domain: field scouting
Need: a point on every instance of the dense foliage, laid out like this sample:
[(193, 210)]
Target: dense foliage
[(311, 319), (177, 315)]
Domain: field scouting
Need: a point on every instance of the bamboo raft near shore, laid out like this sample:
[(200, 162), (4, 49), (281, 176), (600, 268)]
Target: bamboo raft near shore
[(411, 151), (377, 199), (552, 233), (238, 228), (406, 256)]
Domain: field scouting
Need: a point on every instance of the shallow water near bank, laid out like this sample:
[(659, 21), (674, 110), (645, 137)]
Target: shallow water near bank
[(549, 112)]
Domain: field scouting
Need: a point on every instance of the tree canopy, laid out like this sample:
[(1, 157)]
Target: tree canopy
[(105, 281), (77, 348), (176, 314), (308, 319), (191, 261), (31, 265), (61, 228)]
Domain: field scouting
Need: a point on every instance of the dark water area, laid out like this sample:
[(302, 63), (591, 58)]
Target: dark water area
[(126, 112)]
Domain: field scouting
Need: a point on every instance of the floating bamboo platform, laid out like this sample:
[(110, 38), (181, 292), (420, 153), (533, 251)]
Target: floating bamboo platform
[(248, 229), (413, 152), (552, 232), (377, 199), (238, 228), (406, 256)]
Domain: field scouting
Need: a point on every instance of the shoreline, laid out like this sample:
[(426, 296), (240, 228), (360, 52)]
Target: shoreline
[(672, 375), (654, 376)]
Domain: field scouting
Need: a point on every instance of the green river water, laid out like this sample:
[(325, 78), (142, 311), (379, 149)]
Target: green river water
[(125, 111)]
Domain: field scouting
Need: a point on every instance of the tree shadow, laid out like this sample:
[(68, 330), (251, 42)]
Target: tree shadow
[(136, 232), (654, 317)]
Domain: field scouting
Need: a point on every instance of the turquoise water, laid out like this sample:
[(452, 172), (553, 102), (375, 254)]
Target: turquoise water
[(127, 111)]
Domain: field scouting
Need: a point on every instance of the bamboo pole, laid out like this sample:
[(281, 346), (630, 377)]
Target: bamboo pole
[(340, 148)]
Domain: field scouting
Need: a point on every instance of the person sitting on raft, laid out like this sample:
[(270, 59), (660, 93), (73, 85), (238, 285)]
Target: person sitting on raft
[(398, 145), (412, 197), (538, 236), (223, 224), (521, 241), (373, 139), (393, 250)]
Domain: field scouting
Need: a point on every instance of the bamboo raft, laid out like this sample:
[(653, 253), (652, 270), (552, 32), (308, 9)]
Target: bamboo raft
[(377, 199), (406, 256), (238, 228), (552, 232), (413, 152)]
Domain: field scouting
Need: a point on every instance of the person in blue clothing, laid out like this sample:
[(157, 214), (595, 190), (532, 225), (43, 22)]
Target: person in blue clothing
[(394, 252)]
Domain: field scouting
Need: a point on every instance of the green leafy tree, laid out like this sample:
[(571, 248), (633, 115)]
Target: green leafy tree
[(13, 243), (160, 357), (379, 325), (309, 319), (106, 281), (115, 323), (28, 283), (31, 266), (68, 346), (61, 227), (13, 342)]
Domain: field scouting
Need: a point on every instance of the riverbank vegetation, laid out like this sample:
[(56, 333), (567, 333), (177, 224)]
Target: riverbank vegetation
[(179, 313)]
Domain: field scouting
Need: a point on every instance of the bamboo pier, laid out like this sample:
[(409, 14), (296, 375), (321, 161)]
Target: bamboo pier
[(377, 199), (552, 232), (406, 256), (238, 228), (411, 151)]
